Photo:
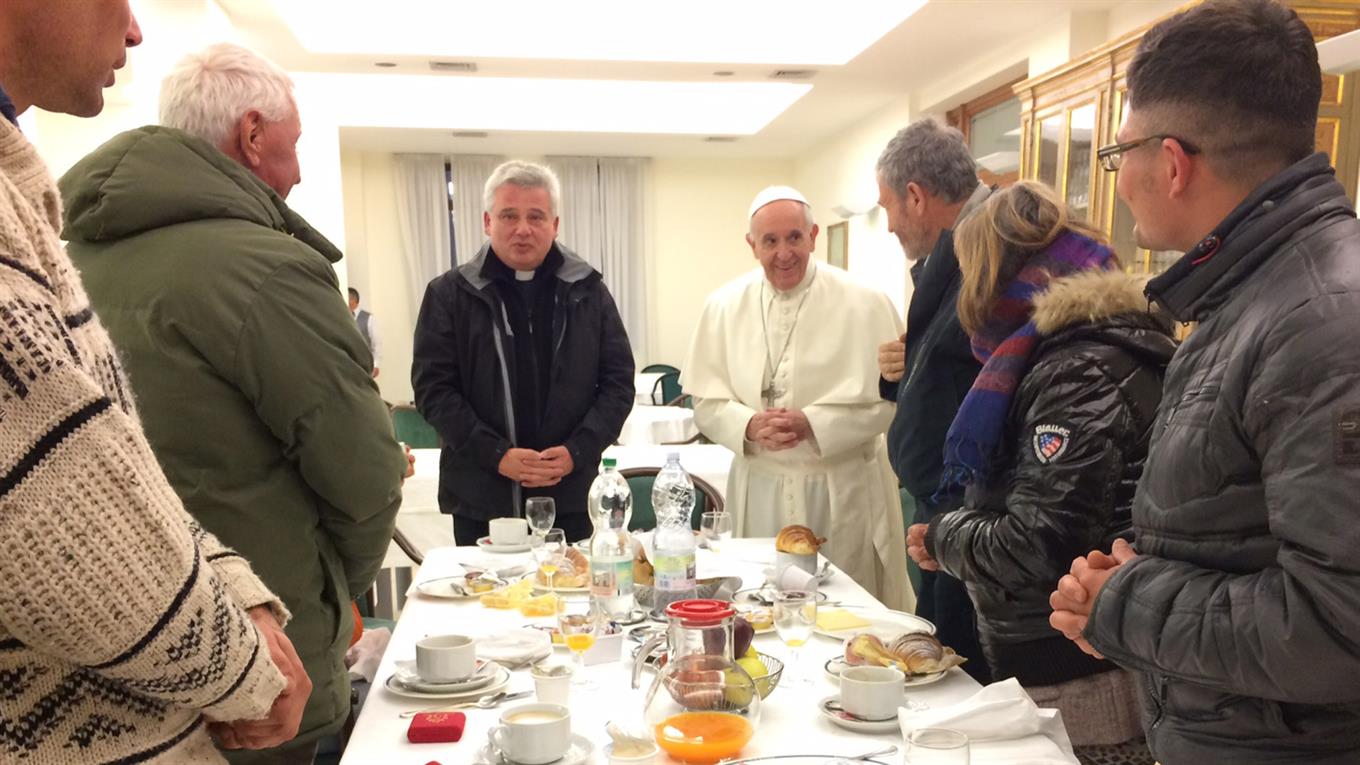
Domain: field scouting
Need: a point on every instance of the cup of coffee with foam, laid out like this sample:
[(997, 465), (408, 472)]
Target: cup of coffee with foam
[(533, 734)]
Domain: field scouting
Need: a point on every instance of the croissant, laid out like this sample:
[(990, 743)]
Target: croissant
[(798, 540), (915, 653), (574, 572)]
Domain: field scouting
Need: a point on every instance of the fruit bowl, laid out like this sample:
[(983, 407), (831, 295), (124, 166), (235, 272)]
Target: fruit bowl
[(774, 669)]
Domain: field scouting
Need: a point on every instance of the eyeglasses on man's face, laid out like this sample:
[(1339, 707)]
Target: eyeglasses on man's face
[(1112, 157)]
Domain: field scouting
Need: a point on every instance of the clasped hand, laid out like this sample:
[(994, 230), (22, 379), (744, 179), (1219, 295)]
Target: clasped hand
[(1077, 591), (778, 429), (285, 716), (535, 469)]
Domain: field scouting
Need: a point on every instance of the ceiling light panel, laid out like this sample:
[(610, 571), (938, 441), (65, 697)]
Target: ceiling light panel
[(804, 32), (590, 106)]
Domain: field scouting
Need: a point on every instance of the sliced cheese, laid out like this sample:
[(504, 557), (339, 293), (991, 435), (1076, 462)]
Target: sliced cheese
[(836, 619)]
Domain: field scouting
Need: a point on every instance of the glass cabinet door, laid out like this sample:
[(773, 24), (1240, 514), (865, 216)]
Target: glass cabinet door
[(1081, 129), (1048, 140)]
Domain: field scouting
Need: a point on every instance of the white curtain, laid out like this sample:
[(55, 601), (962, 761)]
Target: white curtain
[(423, 219), (602, 221), (469, 173)]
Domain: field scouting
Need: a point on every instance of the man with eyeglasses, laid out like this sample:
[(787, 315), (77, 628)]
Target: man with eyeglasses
[(1239, 603), (522, 365)]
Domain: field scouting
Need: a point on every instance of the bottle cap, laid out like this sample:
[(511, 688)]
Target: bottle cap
[(672, 456), (610, 462)]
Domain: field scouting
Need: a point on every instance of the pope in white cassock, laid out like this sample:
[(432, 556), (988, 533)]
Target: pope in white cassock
[(783, 370)]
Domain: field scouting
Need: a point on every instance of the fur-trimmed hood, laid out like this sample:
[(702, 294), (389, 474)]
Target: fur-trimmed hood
[(1088, 297)]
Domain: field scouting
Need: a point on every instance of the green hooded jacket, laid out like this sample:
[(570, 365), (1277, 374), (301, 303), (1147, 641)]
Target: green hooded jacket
[(251, 378)]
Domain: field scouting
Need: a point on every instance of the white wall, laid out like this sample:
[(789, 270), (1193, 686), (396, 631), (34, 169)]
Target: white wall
[(840, 171), (698, 236)]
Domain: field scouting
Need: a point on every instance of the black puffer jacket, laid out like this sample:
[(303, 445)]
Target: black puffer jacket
[(1243, 609), (1078, 433), (463, 372)]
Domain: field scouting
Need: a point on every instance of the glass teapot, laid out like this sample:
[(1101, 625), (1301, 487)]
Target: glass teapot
[(711, 705)]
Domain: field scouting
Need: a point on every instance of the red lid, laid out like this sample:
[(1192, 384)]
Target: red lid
[(701, 612)]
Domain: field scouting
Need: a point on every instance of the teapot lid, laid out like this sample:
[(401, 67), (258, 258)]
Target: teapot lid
[(700, 612)]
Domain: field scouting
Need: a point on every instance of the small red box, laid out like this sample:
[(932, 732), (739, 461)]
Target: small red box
[(436, 727)]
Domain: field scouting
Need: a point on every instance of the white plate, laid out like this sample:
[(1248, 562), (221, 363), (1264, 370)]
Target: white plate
[(486, 544), (884, 623), (501, 679), (533, 576), (408, 678), (451, 588), (837, 664), (579, 751), (843, 719)]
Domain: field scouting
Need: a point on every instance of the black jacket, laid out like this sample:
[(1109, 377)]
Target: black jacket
[(1076, 439), (463, 372), (1243, 609), (939, 371)]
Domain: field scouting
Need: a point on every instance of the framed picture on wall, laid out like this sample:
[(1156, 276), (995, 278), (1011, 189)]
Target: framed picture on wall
[(838, 244)]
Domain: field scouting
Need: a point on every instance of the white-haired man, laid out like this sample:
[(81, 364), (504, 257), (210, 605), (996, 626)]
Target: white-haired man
[(782, 370), (123, 625), (521, 363), (254, 381)]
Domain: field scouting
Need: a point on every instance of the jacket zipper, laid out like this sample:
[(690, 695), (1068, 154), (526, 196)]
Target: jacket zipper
[(1157, 692), (515, 491)]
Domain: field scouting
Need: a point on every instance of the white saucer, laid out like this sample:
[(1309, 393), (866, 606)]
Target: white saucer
[(408, 678), (452, 588), (837, 664), (499, 681), (486, 544), (578, 752), (855, 724)]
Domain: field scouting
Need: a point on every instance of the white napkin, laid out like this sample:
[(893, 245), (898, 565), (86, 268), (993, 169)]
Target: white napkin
[(515, 646), (1003, 725), (364, 656)]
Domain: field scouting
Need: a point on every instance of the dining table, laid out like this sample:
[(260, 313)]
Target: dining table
[(658, 425), (790, 723)]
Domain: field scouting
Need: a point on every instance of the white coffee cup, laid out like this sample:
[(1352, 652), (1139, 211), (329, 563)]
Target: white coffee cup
[(533, 734), (508, 531), (444, 658), (873, 693)]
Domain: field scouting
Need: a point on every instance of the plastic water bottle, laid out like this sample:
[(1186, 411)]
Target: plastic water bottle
[(610, 503), (673, 501)]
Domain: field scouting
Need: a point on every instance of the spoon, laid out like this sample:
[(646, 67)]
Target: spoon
[(486, 702), (876, 753)]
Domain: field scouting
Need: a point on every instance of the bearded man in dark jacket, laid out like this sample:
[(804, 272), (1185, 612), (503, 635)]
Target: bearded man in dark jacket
[(1241, 606)]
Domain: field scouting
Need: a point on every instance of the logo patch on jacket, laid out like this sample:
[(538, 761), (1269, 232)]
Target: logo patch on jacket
[(1347, 439), (1050, 441)]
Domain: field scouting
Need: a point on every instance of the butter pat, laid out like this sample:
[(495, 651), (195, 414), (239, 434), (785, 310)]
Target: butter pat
[(837, 619)]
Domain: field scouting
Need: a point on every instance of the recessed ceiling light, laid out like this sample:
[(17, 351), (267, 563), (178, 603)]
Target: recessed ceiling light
[(724, 73), (385, 64), (601, 30), (511, 103)]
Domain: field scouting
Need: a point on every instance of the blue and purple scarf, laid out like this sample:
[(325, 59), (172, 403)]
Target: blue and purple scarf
[(1004, 347)]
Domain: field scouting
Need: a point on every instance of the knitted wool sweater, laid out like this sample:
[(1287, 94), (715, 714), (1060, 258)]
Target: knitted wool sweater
[(122, 629)]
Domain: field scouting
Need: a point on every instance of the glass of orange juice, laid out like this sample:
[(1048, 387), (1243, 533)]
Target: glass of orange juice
[(580, 621)]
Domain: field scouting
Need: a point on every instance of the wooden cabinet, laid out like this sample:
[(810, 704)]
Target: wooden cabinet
[(1070, 112)]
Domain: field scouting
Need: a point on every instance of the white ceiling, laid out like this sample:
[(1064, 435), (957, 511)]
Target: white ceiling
[(924, 48)]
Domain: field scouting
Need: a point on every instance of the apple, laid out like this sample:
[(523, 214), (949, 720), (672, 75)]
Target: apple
[(742, 634)]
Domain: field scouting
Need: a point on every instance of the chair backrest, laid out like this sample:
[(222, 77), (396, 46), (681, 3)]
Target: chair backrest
[(412, 429), (640, 482), (652, 368), (666, 389)]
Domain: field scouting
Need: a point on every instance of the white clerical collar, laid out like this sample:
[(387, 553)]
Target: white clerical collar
[(525, 276)]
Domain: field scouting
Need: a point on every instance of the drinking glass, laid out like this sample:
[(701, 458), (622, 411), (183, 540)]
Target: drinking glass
[(936, 746), (551, 554), (541, 512), (579, 620), (716, 528), (795, 612)]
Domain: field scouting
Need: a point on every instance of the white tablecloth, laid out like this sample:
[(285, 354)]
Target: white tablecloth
[(643, 385), (427, 528), (790, 722), (658, 425)]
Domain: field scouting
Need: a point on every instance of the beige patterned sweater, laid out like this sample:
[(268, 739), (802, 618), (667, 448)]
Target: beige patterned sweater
[(122, 629)]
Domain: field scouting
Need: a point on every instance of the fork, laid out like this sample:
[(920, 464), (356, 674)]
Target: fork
[(489, 701)]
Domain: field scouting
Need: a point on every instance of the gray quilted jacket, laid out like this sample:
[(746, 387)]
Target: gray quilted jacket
[(1243, 610)]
